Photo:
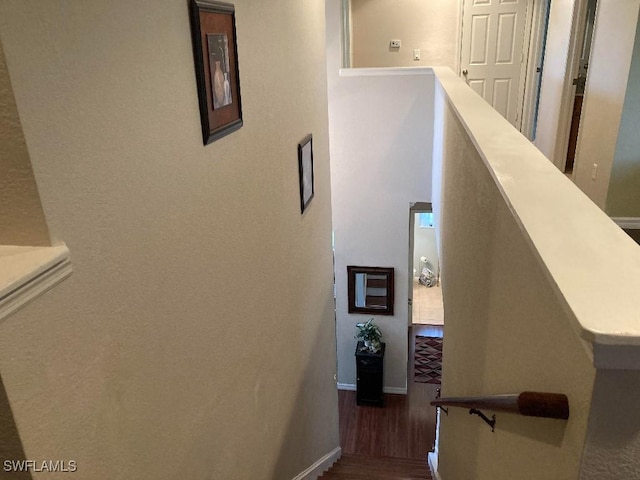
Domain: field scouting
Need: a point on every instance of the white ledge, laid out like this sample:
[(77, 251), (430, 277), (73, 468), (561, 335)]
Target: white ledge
[(385, 71), (28, 272), (598, 277)]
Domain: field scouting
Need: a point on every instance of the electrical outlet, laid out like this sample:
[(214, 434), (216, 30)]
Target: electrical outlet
[(416, 54), (395, 43), (594, 171)]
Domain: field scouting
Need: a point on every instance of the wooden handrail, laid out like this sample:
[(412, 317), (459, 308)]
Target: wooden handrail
[(531, 404)]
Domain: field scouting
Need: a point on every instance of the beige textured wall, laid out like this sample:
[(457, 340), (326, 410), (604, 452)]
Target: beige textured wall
[(430, 25), (162, 357), (505, 332), (612, 448), (21, 219)]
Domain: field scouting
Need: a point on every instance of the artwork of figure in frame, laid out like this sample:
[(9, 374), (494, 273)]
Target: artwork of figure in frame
[(213, 32), (305, 167)]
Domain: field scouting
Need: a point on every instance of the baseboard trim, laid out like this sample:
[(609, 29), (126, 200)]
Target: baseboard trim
[(395, 390), (630, 223), (433, 465), (347, 386), (319, 467)]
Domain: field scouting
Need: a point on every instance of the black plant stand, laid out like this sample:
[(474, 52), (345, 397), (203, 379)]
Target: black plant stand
[(369, 373)]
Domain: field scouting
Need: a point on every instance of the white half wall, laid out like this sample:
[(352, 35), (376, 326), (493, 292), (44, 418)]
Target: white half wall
[(499, 236), (381, 130)]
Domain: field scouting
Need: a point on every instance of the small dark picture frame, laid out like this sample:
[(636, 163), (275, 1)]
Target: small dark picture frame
[(305, 168), (215, 52), (370, 290)]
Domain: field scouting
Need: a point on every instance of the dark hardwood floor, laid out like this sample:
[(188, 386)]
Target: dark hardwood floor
[(403, 428)]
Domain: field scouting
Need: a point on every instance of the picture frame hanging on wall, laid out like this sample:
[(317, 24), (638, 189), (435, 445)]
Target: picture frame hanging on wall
[(305, 168), (215, 53)]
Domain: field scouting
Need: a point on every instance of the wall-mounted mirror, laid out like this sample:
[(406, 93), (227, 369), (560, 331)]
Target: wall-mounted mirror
[(370, 290)]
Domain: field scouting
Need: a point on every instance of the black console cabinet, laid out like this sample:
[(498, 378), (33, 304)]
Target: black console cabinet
[(369, 373)]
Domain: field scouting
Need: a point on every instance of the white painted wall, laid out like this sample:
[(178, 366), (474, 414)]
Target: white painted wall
[(380, 144), (623, 198), (431, 26), (424, 244), (612, 49), (437, 166), (555, 68), (610, 62)]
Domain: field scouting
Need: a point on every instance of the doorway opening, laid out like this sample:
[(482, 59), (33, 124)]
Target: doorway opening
[(580, 66), (533, 79), (426, 309), (425, 293)]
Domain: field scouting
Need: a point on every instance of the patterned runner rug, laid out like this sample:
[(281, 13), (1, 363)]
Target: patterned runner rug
[(428, 360)]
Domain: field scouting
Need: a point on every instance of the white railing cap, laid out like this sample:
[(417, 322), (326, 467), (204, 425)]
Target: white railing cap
[(27, 272), (592, 264)]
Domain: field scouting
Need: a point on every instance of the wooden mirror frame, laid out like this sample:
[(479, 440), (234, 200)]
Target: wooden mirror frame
[(386, 308)]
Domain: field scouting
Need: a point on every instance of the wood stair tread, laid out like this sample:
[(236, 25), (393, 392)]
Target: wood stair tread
[(360, 467), (382, 460), (371, 475), (383, 468)]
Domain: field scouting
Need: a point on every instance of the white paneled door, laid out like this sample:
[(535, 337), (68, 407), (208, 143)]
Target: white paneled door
[(493, 38)]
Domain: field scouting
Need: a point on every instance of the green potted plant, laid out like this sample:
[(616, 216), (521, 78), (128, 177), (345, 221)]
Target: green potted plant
[(370, 334)]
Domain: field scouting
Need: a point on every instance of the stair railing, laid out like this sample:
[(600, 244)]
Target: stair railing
[(530, 404)]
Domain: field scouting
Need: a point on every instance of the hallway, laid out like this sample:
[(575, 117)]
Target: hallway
[(403, 428), (427, 307)]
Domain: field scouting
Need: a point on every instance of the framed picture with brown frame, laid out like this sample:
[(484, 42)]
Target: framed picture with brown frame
[(305, 168), (215, 52)]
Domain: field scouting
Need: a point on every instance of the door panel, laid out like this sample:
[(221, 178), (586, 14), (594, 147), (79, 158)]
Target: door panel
[(480, 43), (478, 86), (492, 51), (506, 38), (501, 94)]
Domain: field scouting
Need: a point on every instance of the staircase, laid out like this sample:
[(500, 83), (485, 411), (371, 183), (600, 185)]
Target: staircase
[(358, 467)]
